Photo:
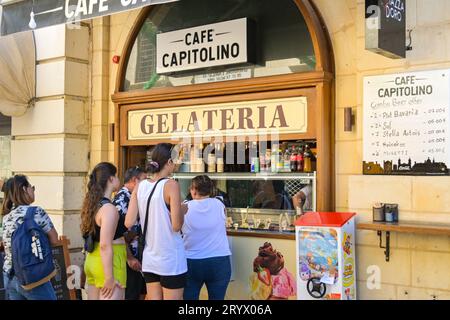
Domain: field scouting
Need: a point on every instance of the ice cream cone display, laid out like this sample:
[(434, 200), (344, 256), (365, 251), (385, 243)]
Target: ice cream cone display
[(259, 289)]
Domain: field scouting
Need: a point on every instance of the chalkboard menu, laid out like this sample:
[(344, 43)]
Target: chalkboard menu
[(59, 281), (407, 124)]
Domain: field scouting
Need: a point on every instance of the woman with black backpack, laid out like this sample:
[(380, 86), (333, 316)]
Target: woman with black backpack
[(103, 229), (16, 208)]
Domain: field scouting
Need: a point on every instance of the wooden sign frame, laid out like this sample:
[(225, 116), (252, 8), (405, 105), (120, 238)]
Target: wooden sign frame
[(64, 242)]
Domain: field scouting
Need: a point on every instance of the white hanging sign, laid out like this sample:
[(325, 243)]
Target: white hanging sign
[(407, 123), (218, 44)]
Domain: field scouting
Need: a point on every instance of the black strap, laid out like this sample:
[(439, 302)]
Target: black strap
[(104, 201), (144, 234)]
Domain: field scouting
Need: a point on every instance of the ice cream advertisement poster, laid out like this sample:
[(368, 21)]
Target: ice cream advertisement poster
[(319, 255), (270, 279)]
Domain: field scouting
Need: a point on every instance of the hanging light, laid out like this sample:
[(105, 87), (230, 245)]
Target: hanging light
[(32, 23)]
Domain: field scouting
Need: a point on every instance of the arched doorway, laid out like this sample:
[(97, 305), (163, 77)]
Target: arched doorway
[(296, 60)]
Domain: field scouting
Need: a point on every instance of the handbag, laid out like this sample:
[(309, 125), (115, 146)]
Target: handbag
[(89, 243), (141, 241)]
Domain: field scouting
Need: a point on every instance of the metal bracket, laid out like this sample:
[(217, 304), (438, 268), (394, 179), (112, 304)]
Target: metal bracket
[(387, 246)]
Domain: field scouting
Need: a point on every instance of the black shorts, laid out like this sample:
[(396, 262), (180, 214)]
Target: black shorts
[(168, 282), (135, 285)]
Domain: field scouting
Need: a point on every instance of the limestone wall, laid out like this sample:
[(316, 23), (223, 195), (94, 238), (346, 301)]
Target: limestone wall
[(50, 142)]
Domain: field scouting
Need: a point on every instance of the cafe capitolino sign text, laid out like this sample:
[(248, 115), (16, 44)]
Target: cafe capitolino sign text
[(212, 45), (280, 116)]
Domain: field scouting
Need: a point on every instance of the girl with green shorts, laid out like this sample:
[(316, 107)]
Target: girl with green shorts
[(105, 265)]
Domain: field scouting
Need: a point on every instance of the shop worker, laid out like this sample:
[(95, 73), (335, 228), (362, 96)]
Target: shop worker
[(157, 201), (106, 258), (206, 243), (135, 280), (19, 196)]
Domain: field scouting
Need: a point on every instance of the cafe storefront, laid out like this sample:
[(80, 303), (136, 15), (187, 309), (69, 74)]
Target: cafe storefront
[(257, 79), (240, 92)]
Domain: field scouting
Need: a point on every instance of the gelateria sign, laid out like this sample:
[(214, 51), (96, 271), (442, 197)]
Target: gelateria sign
[(212, 45), (265, 117)]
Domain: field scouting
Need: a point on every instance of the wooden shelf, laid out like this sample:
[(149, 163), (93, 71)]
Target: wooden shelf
[(404, 227), (408, 227)]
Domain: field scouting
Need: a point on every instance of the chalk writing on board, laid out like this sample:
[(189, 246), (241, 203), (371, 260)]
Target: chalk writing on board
[(407, 123)]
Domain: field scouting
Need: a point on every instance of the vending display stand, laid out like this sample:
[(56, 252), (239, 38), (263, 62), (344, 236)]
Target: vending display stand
[(325, 248)]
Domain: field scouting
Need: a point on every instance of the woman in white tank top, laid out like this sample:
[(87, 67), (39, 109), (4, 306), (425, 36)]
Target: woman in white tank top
[(164, 261)]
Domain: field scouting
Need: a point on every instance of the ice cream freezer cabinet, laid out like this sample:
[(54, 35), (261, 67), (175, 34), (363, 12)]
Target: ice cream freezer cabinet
[(325, 256)]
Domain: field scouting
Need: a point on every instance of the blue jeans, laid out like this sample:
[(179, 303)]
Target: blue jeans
[(13, 291), (215, 273)]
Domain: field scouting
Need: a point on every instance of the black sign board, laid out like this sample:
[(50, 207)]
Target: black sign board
[(59, 281), (28, 14), (386, 27)]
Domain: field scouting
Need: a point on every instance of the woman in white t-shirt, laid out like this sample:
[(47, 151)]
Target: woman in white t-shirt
[(163, 260), (205, 241)]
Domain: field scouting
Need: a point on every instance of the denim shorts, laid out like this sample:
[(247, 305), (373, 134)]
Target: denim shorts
[(14, 291)]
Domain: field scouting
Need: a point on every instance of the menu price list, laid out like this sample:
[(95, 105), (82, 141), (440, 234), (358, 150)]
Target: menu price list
[(411, 132)]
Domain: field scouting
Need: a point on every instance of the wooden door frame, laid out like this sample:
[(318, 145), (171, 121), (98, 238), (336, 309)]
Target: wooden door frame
[(321, 80)]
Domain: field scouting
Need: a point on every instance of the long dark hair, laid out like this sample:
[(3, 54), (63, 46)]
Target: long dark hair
[(98, 181), (161, 154), (15, 193)]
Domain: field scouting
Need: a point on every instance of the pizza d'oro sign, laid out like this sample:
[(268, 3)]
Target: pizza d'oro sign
[(280, 116)]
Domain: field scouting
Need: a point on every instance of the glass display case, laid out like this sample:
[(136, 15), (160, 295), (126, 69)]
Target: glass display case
[(259, 201)]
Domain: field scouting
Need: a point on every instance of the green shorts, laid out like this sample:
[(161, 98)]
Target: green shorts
[(93, 267)]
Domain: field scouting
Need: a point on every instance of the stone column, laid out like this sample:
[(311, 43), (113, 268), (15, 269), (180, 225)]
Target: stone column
[(100, 91), (51, 141)]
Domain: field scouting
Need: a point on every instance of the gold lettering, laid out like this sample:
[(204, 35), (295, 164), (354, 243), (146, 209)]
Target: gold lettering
[(262, 117), (209, 114), (279, 115), (146, 128), (175, 122), (162, 123), (226, 120), (193, 121), (243, 117)]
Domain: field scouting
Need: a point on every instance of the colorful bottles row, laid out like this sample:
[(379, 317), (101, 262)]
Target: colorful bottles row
[(245, 157)]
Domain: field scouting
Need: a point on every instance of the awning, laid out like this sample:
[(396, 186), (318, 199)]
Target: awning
[(23, 15), (17, 73)]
